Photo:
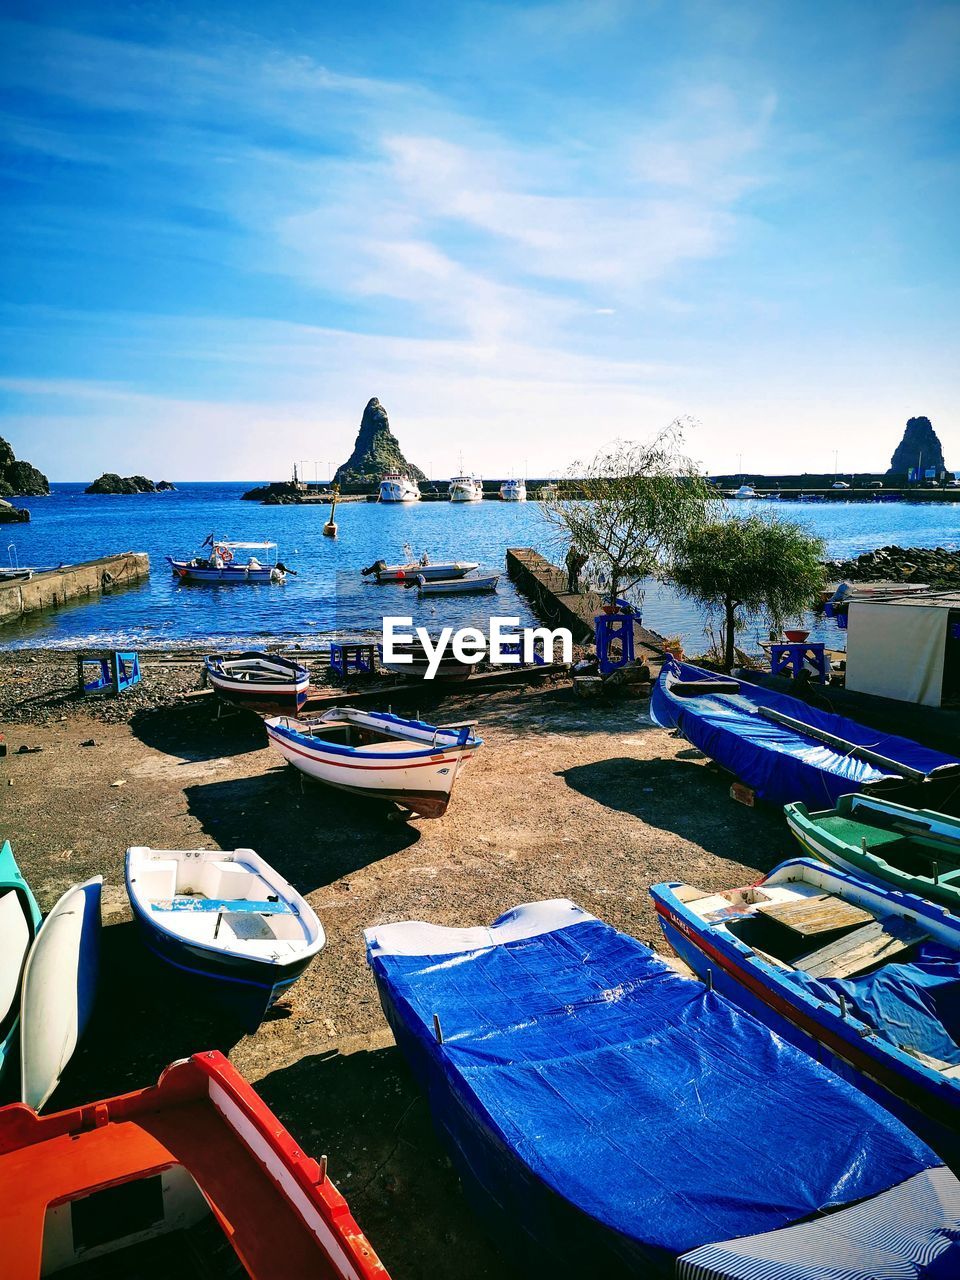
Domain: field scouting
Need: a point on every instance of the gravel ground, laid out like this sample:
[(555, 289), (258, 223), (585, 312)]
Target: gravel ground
[(567, 798)]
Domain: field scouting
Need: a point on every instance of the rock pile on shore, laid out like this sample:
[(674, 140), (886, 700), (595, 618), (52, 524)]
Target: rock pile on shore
[(938, 566)]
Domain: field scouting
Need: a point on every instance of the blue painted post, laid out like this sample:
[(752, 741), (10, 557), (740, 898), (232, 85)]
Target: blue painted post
[(615, 627)]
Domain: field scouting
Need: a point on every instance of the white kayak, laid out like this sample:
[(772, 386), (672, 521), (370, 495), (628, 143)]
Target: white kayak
[(59, 985), (379, 755)]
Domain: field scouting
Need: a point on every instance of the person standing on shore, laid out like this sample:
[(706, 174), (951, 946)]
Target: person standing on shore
[(575, 563)]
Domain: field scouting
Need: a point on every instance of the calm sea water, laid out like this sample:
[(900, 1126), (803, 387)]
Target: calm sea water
[(328, 595)]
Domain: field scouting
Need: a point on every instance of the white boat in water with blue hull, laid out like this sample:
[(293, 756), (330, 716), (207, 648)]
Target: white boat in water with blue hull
[(611, 1118), (863, 978), (225, 562), (378, 755), (226, 918)]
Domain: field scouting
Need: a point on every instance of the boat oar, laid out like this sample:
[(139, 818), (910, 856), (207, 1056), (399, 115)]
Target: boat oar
[(848, 748)]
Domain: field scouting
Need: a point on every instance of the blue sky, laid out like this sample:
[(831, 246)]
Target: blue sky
[(528, 228)]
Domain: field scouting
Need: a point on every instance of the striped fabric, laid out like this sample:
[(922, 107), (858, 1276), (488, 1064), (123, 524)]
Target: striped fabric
[(910, 1231)]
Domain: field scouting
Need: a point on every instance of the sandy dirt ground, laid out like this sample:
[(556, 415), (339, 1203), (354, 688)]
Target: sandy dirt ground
[(566, 799)]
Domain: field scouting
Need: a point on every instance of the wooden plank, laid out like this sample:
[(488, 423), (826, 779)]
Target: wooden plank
[(875, 943), (820, 914), (843, 746), (773, 960), (690, 893)]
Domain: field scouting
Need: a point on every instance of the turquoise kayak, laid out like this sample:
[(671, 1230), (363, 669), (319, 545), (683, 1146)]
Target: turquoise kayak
[(19, 922)]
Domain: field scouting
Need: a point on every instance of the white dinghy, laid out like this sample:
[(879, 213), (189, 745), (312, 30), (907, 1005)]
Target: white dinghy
[(481, 585), (377, 754), (227, 918), (59, 985)]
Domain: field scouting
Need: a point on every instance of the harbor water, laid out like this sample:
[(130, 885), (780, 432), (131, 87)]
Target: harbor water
[(327, 595)]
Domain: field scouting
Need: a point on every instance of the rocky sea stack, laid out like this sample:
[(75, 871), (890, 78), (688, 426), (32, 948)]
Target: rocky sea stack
[(377, 450), (920, 447), (19, 478), (110, 482)]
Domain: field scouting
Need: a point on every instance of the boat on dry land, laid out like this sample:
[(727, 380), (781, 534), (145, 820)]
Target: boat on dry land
[(785, 749), (261, 681), (611, 1118), (864, 978), (192, 1176), (378, 755), (19, 922), (916, 850), (229, 919)]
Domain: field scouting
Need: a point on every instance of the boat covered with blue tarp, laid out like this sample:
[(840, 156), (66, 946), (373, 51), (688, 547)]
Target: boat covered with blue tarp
[(783, 748), (610, 1117)]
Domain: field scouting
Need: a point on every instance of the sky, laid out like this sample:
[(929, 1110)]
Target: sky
[(528, 228)]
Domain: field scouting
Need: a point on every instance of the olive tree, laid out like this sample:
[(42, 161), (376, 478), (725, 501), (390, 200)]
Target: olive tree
[(753, 567), (624, 511)]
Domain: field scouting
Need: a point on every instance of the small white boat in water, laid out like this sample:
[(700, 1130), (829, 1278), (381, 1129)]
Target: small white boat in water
[(396, 487), (229, 918), (224, 564), (513, 491), (59, 986), (384, 572), (457, 586), (376, 754), (745, 491), (466, 489)]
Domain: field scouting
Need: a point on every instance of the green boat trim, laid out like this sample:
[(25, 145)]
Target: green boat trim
[(12, 882), (914, 850)]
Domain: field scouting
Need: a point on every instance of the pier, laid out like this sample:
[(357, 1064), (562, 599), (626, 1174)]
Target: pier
[(52, 587), (545, 586)]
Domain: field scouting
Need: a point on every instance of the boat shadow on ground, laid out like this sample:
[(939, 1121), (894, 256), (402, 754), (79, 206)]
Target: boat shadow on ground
[(312, 834), (365, 1112), (193, 732), (146, 1016), (690, 800)]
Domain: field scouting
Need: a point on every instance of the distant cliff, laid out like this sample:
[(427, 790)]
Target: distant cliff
[(19, 477), (920, 447), (110, 482), (377, 450)]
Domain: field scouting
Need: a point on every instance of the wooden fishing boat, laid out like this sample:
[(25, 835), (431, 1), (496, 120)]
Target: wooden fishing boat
[(260, 681), (609, 1117), (379, 755), (785, 749), (457, 586), (915, 850), (191, 1176), (383, 572), (19, 922), (229, 919), (861, 977), (59, 987), (223, 564)]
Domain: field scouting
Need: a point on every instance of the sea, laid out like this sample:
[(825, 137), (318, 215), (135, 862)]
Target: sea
[(326, 595)]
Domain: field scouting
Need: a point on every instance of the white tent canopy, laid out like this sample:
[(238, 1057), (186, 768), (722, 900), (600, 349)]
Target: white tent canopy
[(897, 650)]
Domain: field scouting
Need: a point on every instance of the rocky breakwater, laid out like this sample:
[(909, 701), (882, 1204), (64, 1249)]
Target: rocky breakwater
[(937, 566), (110, 482), (18, 479)]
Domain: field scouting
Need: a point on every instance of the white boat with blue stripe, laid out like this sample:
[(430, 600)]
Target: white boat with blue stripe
[(379, 755), (227, 918), (225, 563)]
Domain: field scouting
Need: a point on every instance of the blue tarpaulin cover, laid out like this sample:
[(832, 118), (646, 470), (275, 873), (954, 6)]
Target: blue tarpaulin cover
[(612, 1111), (914, 1005), (779, 763)]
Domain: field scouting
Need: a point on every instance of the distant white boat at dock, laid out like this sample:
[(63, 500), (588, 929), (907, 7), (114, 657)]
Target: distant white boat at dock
[(396, 487), (466, 489), (513, 491)]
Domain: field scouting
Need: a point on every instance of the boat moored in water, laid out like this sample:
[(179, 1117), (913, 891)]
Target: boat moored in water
[(786, 749), (915, 850), (260, 681), (223, 564), (422, 568), (465, 489), (378, 755), (397, 487), (227, 918), (481, 585), (194, 1175), (609, 1117), (863, 978), (513, 491)]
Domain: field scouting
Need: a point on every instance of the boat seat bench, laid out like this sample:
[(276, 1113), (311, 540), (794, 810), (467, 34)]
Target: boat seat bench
[(263, 908)]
